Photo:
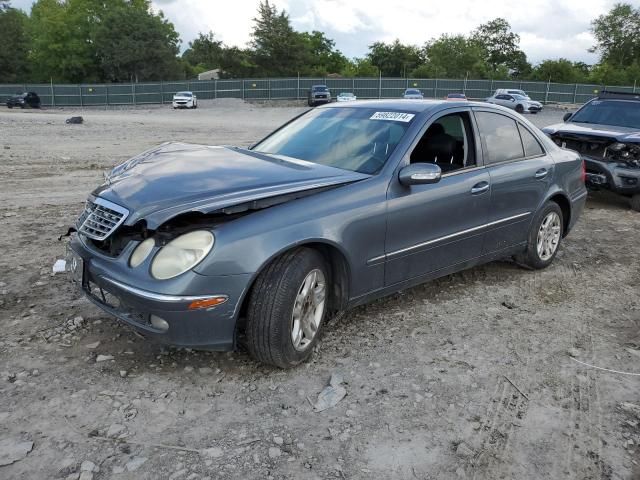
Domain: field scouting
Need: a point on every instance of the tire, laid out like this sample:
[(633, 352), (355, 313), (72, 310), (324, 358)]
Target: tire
[(520, 109), (10, 106), (533, 257), (635, 202), (270, 325)]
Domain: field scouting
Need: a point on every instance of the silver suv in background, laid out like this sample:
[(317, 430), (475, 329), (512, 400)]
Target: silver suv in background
[(511, 91), (318, 94), (517, 102)]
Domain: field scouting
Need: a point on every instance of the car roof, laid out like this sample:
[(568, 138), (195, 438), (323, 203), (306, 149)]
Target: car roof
[(414, 106)]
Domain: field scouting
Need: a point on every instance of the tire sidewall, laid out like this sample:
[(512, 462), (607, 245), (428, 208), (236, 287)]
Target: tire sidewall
[(310, 260), (532, 251)]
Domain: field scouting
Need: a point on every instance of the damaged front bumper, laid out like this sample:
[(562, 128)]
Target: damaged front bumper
[(181, 319), (615, 176)]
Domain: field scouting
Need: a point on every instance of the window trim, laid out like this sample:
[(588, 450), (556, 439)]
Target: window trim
[(479, 157), (518, 123), (527, 157)]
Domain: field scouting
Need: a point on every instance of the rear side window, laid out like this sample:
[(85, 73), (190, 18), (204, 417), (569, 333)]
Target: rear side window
[(501, 137), (531, 145)]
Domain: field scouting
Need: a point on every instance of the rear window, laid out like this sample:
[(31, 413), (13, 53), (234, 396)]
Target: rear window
[(531, 145), (501, 137)]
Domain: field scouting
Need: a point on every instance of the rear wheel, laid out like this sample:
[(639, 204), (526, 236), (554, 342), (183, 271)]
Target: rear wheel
[(519, 109), (287, 308), (544, 238), (635, 202)]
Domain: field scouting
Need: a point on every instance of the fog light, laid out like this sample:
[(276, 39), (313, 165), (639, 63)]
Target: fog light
[(159, 323)]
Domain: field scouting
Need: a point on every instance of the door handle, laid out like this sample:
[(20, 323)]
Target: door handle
[(479, 188), (541, 173)]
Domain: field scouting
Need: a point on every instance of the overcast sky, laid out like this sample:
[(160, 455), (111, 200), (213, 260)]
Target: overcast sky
[(547, 28)]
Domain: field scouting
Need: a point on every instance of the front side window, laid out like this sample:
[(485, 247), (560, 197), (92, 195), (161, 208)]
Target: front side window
[(448, 142), (356, 139), (501, 137)]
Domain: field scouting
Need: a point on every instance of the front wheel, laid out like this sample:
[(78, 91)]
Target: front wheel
[(635, 202), (287, 308), (544, 237)]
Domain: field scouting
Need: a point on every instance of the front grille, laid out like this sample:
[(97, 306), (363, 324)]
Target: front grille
[(100, 219)]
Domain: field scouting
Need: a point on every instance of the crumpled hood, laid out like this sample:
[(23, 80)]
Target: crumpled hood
[(176, 178), (620, 134)]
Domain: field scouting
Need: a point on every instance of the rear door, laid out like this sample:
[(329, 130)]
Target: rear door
[(520, 171)]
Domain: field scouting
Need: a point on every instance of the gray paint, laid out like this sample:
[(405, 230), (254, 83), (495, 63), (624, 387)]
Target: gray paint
[(391, 236)]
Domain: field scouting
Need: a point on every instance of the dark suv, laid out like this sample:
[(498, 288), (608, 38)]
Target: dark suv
[(318, 94), (606, 132), (22, 100)]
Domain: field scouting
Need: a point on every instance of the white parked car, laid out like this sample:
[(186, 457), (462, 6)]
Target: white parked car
[(412, 94), (346, 97), (185, 100), (511, 91), (519, 103)]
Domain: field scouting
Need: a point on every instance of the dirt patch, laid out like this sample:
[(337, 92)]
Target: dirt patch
[(464, 377)]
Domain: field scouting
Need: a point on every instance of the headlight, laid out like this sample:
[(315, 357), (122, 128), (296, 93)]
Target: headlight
[(141, 252), (181, 254)]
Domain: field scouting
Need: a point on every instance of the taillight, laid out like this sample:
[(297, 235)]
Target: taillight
[(583, 174)]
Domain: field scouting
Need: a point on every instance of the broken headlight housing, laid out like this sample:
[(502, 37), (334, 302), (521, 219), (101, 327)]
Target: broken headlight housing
[(181, 254)]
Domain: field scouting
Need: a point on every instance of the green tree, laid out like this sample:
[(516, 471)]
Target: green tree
[(320, 56), (205, 51), (394, 59), (15, 41), (559, 71), (278, 48), (237, 63), (132, 43), (93, 40), (454, 56), (62, 50), (500, 46), (617, 35), (360, 67)]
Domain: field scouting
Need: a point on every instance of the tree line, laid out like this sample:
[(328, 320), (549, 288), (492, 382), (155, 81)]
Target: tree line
[(126, 40)]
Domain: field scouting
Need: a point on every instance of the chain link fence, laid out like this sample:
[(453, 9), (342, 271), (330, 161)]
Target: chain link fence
[(80, 95)]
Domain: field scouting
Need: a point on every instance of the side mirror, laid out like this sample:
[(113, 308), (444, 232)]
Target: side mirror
[(567, 116), (420, 174)]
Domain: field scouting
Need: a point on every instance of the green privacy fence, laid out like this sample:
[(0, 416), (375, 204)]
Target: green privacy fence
[(57, 95)]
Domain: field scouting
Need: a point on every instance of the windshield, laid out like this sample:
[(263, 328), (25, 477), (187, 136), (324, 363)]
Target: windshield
[(184, 94), (343, 94), (412, 92), (517, 96), (455, 95), (356, 139), (618, 113), (320, 88)]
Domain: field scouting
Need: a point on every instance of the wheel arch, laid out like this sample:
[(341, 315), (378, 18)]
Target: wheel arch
[(340, 272), (564, 203)]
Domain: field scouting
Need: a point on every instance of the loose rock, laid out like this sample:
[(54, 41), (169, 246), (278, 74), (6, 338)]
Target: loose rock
[(12, 450)]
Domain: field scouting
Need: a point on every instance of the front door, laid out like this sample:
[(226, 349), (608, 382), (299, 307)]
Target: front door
[(431, 227)]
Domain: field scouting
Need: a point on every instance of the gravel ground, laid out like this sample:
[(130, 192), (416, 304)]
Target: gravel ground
[(475, 375)]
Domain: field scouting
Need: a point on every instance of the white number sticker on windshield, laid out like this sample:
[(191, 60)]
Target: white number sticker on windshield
[(394, 116)]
